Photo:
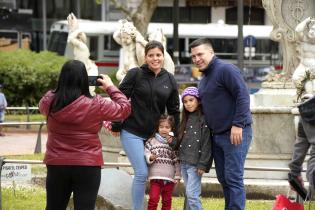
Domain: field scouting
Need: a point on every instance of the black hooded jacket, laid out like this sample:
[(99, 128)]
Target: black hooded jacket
[(150, 97)]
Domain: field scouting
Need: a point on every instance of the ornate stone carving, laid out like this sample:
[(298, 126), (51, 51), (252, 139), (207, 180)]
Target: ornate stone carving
[(132, 51), (125, 36), (285, 15), (157, 35), (304, 75)]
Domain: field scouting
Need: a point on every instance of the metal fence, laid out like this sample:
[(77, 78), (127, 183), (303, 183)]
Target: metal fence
[(28, 110)]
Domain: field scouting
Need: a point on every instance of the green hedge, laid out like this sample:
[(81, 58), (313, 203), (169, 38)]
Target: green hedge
[(27, 75)]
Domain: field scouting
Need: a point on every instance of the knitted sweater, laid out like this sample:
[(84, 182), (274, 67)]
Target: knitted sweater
[(166, 166)]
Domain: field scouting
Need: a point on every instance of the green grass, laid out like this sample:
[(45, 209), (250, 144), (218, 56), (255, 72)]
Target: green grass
[(218, 204), (23, 117), (23, 198), (34, 199), (39, 156)]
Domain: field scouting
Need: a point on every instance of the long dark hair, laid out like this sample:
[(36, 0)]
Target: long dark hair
[(183, 122), (72, 83)]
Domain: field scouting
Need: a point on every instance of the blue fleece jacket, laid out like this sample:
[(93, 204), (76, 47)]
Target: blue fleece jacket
[(224, 97)]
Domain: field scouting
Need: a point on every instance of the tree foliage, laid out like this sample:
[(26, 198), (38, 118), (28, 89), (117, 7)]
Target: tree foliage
[(27, 75)]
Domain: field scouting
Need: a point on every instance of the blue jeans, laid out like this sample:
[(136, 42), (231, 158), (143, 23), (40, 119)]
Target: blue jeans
[(134, 148), (229, 164), (192, 182)]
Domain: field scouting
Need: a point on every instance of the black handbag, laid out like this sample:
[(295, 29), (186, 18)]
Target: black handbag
[(116, 126), (294, 182), (307, 110)]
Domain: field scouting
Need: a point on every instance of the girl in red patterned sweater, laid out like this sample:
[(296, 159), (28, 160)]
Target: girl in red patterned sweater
[(164, 169)]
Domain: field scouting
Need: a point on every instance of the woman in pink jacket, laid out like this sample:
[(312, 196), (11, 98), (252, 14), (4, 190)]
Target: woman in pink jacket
[(74, 151)]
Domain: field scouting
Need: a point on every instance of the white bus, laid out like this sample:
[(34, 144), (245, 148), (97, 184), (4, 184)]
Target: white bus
[(105, 51)]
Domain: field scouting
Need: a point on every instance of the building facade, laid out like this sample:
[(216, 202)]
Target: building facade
[(28, 15)]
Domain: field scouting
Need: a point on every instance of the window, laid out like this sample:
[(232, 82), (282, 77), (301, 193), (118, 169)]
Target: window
[(93, 47), (225, 48), (110, 43), (186, 15), (162, 15), (57, 42), (257, 16)]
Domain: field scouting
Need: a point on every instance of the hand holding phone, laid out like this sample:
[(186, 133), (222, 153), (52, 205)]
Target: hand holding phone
[(103, 80), (93, 81)]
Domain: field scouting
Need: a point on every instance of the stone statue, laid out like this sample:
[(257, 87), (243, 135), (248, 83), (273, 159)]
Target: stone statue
[(133, 44), (81, 52), (158, 36), (125, 36), (304, 75)]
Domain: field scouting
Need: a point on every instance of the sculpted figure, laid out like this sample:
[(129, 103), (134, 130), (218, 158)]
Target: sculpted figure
[(157, 36), (304, 75), (125, 36), (132, 51), (81, 52)]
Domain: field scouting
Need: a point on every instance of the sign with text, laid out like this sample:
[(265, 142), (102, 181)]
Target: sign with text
[(16, 172)]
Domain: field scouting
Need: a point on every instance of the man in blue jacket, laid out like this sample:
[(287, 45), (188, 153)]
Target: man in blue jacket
[(226, 105)]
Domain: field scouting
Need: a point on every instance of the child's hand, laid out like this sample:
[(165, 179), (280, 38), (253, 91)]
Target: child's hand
[(115, 134), (176, 181), (169, 138), (200, 172), (153, 157)]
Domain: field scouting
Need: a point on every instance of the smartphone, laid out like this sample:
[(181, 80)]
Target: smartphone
[(93, 81)]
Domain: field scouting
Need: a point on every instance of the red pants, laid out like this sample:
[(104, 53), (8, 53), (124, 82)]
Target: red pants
[(165, 189)]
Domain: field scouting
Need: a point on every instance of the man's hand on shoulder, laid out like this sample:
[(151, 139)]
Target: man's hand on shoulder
[(236, 135)]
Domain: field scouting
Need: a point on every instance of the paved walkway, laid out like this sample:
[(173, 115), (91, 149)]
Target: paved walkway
[(20, 143)]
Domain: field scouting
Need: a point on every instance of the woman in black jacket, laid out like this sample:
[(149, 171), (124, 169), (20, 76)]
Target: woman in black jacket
[(152, 91)]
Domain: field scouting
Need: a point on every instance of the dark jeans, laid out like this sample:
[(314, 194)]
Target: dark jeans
[(61, 181), (159, 188), (229, 164)]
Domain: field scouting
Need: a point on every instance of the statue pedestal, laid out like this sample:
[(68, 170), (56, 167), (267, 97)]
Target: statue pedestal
[(274, 94), (273, 129)]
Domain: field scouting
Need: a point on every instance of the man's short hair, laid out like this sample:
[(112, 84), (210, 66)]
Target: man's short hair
[(199, 42)]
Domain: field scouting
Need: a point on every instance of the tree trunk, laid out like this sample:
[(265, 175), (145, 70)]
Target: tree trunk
[(141, 16)]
